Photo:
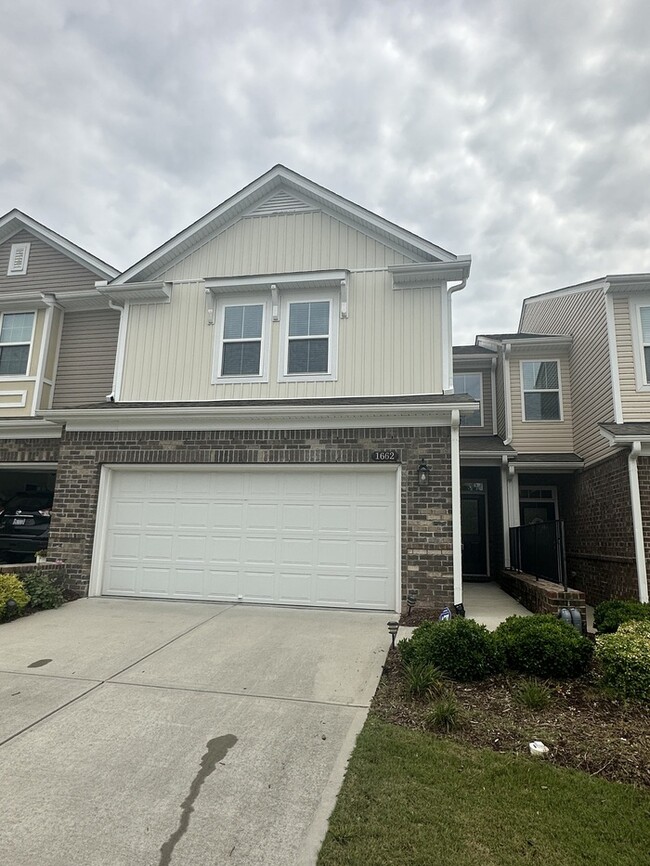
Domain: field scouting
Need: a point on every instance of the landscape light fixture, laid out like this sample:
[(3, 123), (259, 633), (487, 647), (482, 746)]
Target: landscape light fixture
[(10, 608), (411, 601), (423, 474), (393, 625)]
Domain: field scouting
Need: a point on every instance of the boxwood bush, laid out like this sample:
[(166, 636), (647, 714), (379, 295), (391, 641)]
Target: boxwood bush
[(461, 648), (623, 659), (12, 588), (543, 646), (43, 593), (608, 615)]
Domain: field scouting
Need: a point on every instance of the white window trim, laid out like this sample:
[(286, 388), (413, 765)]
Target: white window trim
[(25, 375), (541, 390), (242, 301), (525, 498), (642, 376), (478, 373), (12, 271), (332, 359)]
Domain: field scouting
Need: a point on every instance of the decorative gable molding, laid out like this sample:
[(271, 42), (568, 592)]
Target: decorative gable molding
[(281, 201), (18, 259)]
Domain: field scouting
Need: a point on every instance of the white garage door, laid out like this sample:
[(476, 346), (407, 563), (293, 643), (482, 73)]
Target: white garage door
[(321, 537)]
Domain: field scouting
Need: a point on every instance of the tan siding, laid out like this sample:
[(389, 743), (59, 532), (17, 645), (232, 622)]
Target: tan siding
[(48, 270), (635, 404), (387, 346), (540, 436), (284, 243), (86, 358), (55, 336), (488, 399), (581, 315), (26, 389)]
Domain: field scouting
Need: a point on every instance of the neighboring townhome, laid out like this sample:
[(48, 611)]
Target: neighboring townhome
[(58, 338), (281, 425), (607, 506)]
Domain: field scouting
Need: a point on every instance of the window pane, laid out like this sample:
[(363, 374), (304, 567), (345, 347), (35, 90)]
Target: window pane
[(542, 406), (13, 360), (319, 318), (470, 419), (468, 383), (307, 356), (645, 324), (16, 328), (298, 320), (309, 319), (646, 352), (233, 323), (540, 374), (252, 321), (241, 359)]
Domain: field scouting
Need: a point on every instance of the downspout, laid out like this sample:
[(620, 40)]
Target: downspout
[(448, 358), (637, 521), (457, 550), (493, 385), (505, 510), (119, 352), (507, 402)]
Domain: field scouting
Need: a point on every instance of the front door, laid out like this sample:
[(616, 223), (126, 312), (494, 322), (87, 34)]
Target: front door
[(474, 533)]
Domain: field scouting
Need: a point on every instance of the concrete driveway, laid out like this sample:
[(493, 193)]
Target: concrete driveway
[(150, 733)]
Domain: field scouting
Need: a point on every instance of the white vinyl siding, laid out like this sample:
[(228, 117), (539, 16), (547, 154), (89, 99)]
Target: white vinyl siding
[(582, 316), (322, 537)]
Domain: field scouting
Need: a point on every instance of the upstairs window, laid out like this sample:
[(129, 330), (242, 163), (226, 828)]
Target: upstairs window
[(16, 331), (644, 318), (308, 341), (18, 257), (241, 350), (472, 384), (541, 390)]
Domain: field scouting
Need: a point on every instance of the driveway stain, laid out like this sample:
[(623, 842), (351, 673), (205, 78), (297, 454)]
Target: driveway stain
[(39, 663), (216, 751)]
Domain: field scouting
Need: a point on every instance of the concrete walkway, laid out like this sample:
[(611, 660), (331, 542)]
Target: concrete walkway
[(488, 604), (160, 734)]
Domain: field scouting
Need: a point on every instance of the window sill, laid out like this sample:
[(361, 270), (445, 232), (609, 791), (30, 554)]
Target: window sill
[(308, 377)]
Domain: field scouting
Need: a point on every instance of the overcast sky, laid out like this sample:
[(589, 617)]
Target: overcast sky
[(516, 131)]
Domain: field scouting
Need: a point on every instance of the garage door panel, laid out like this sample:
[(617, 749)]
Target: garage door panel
[(288, 536)]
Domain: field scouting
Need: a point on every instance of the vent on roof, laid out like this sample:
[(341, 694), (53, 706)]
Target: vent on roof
[(18, 260), (280, 202)]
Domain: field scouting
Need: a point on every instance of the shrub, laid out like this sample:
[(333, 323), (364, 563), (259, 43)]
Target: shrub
[(445, 714), (11, 587), (533, 695), (43, 593), (543, 646), (624, 660), (460, 648), (422, 679), (608, 615)]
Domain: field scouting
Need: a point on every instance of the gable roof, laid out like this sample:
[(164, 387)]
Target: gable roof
[(280, 190), (14, 221)]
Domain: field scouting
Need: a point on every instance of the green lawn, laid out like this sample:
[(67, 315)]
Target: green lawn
[(410, 799)]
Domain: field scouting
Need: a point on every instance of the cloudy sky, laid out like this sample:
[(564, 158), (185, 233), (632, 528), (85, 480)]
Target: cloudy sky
[(516, 131)]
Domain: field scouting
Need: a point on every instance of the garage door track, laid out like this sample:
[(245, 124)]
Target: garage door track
[(165, 733)]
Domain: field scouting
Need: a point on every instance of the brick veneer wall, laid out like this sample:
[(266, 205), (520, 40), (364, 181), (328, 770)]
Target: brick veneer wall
[(426, 513), (542, 596), (29, 450), (599, 536)]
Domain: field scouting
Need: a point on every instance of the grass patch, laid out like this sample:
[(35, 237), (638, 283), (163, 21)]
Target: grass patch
[(411, 798)]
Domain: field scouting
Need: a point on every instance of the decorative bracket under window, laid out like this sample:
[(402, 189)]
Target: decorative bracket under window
[(275, 303), (344, 298)]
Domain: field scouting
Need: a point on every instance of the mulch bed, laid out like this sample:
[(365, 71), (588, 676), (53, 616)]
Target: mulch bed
[(583, 727)]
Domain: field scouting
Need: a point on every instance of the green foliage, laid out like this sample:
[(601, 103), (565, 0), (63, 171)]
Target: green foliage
[(533, 695), (460, 648), (446, 714), (43, 593), (608, 615), (422, 679), (543, 646), (12, 588), (624, 660)]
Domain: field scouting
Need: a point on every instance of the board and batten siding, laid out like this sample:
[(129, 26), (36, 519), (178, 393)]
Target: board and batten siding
[(487, 397), (581, 315), (48, 270), (86, 357), (386, 346), (635, 404), (534, 437), (283, 243)]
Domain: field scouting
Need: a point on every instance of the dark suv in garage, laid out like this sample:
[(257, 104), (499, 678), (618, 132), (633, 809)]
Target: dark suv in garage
[(24, 526)]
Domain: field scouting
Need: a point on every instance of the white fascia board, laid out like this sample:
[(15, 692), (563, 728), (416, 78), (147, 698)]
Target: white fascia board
[(29, 429), (542, 340), (430, 273), (627, 440), (149, 292), (305, 279), (55, 240), (627, 283), (256, 417)]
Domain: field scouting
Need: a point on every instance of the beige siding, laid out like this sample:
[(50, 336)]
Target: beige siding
[(283, 243), (23, 384), (86, 358), (581, 315), (487, 399), (48, 270), (387, 346), (540, 436), (635, 404), (52, 351)]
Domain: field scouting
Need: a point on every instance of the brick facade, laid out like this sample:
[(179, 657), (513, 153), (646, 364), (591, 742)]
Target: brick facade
[(599, 536), (426, 540), (643, 466), (29, 450), (542, 596)]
